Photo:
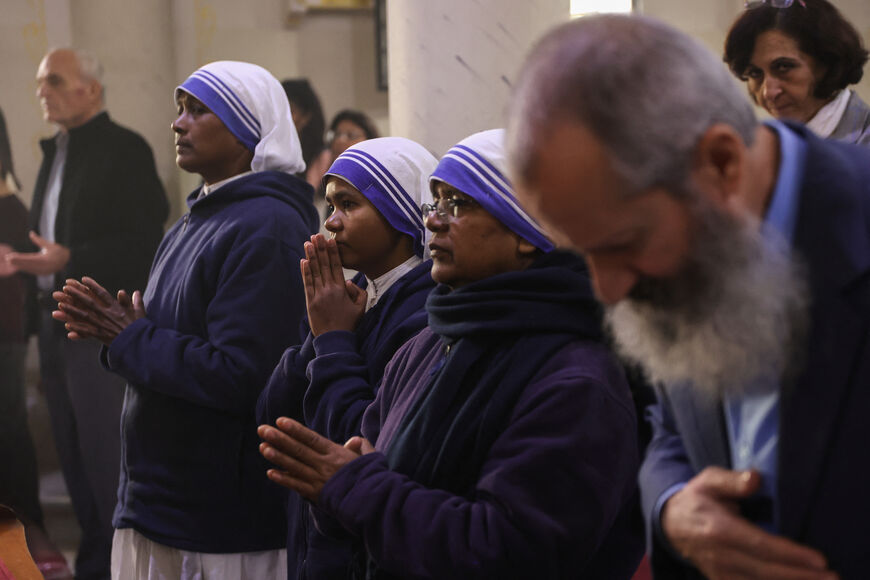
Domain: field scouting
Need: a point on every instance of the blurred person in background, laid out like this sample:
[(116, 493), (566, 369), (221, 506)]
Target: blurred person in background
[(347, 128), (19, 483), (311, 126), (98, 210), (798, 58)]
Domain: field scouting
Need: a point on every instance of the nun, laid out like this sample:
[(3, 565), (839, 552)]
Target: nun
[(502, 441), (374, 191), (223, 301)]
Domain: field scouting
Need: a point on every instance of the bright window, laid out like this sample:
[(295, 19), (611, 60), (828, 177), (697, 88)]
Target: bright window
[(583, 7)]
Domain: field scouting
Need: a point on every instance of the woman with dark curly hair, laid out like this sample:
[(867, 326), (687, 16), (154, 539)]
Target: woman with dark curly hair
[(798, 57)]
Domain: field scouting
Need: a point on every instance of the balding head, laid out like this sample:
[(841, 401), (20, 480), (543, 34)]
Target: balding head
[(69, 87), (645, 90)]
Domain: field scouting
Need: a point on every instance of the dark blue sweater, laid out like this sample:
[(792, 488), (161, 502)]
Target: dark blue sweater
[(351, 364), (224, 300)]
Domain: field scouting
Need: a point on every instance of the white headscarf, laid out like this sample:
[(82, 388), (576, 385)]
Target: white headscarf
[(477, 167), (254, 107)]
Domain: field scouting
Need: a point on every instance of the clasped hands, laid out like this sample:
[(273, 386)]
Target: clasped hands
[(304, 459), (50, 258), (333, 303), (89, 311), (702, 521)]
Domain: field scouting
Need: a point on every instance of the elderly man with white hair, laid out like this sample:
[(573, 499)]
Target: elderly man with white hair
[(98, 210)]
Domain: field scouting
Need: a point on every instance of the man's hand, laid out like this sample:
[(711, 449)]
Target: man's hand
[(89, 311), (50, 258), (702, 522), (6, 267), (332, 302), (306, 460)]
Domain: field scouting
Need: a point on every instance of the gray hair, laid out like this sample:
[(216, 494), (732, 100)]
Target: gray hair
[(90, 67), (647, 91), (89, 64)]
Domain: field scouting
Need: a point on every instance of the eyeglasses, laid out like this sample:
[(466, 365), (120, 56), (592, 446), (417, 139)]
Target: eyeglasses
[(348, 135), (772, 3), (447, 207)]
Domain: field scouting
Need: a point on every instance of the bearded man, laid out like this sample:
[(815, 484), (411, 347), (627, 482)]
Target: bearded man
[(734, 261)]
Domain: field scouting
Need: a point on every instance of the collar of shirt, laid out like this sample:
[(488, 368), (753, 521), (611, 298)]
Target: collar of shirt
[(782, 211), (826, 120), (752, 420), (379, 286), (207, 189)]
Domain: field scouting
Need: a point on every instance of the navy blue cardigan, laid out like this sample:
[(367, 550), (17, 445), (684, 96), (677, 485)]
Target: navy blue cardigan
[(351, 364), (224, 300)]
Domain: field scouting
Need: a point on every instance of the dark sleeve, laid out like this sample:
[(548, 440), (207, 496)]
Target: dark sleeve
[(119, 249), (253, 316), (13, 223), (344, 382), (665, 465), (283, 394), (548, 494)]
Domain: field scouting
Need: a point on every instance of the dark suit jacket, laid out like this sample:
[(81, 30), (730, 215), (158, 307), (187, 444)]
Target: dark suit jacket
[(824, 439), (111, 209)]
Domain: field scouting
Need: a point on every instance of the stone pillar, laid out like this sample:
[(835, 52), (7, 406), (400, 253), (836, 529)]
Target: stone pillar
[(134, 41), (452, 63)]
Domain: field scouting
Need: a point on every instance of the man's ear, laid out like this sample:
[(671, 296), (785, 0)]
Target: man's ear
[(95, 89), (718, 165)]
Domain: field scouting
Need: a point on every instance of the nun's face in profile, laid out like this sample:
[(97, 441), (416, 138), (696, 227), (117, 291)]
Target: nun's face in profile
[(468, 243), (204, 145), (366, 241)]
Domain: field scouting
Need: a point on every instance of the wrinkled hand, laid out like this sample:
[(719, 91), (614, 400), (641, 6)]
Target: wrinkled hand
[(50, 258), (332, 302), (305, 459), (6, 267), (702, 521), (89, 311)]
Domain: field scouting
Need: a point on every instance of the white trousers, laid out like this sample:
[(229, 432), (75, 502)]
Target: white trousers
[(135, 557)]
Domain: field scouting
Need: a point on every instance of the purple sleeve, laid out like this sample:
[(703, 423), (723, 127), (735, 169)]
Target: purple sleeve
[(549, 491), (340, 387), (283, 394), (664, 471)]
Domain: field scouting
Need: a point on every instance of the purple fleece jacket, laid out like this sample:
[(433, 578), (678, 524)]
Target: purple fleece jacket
[(556, 496)]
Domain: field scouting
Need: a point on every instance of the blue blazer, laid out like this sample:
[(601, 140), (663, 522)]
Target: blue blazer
[(824, 439)]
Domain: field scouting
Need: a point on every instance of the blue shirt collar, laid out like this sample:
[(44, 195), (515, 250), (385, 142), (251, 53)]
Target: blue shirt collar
[(782, 211)]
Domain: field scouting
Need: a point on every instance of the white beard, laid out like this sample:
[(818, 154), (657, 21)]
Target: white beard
[(734, 316)]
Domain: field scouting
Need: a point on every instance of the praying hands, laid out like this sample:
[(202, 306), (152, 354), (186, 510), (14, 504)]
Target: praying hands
[(333, 303), (89, 311), (305, 459)]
